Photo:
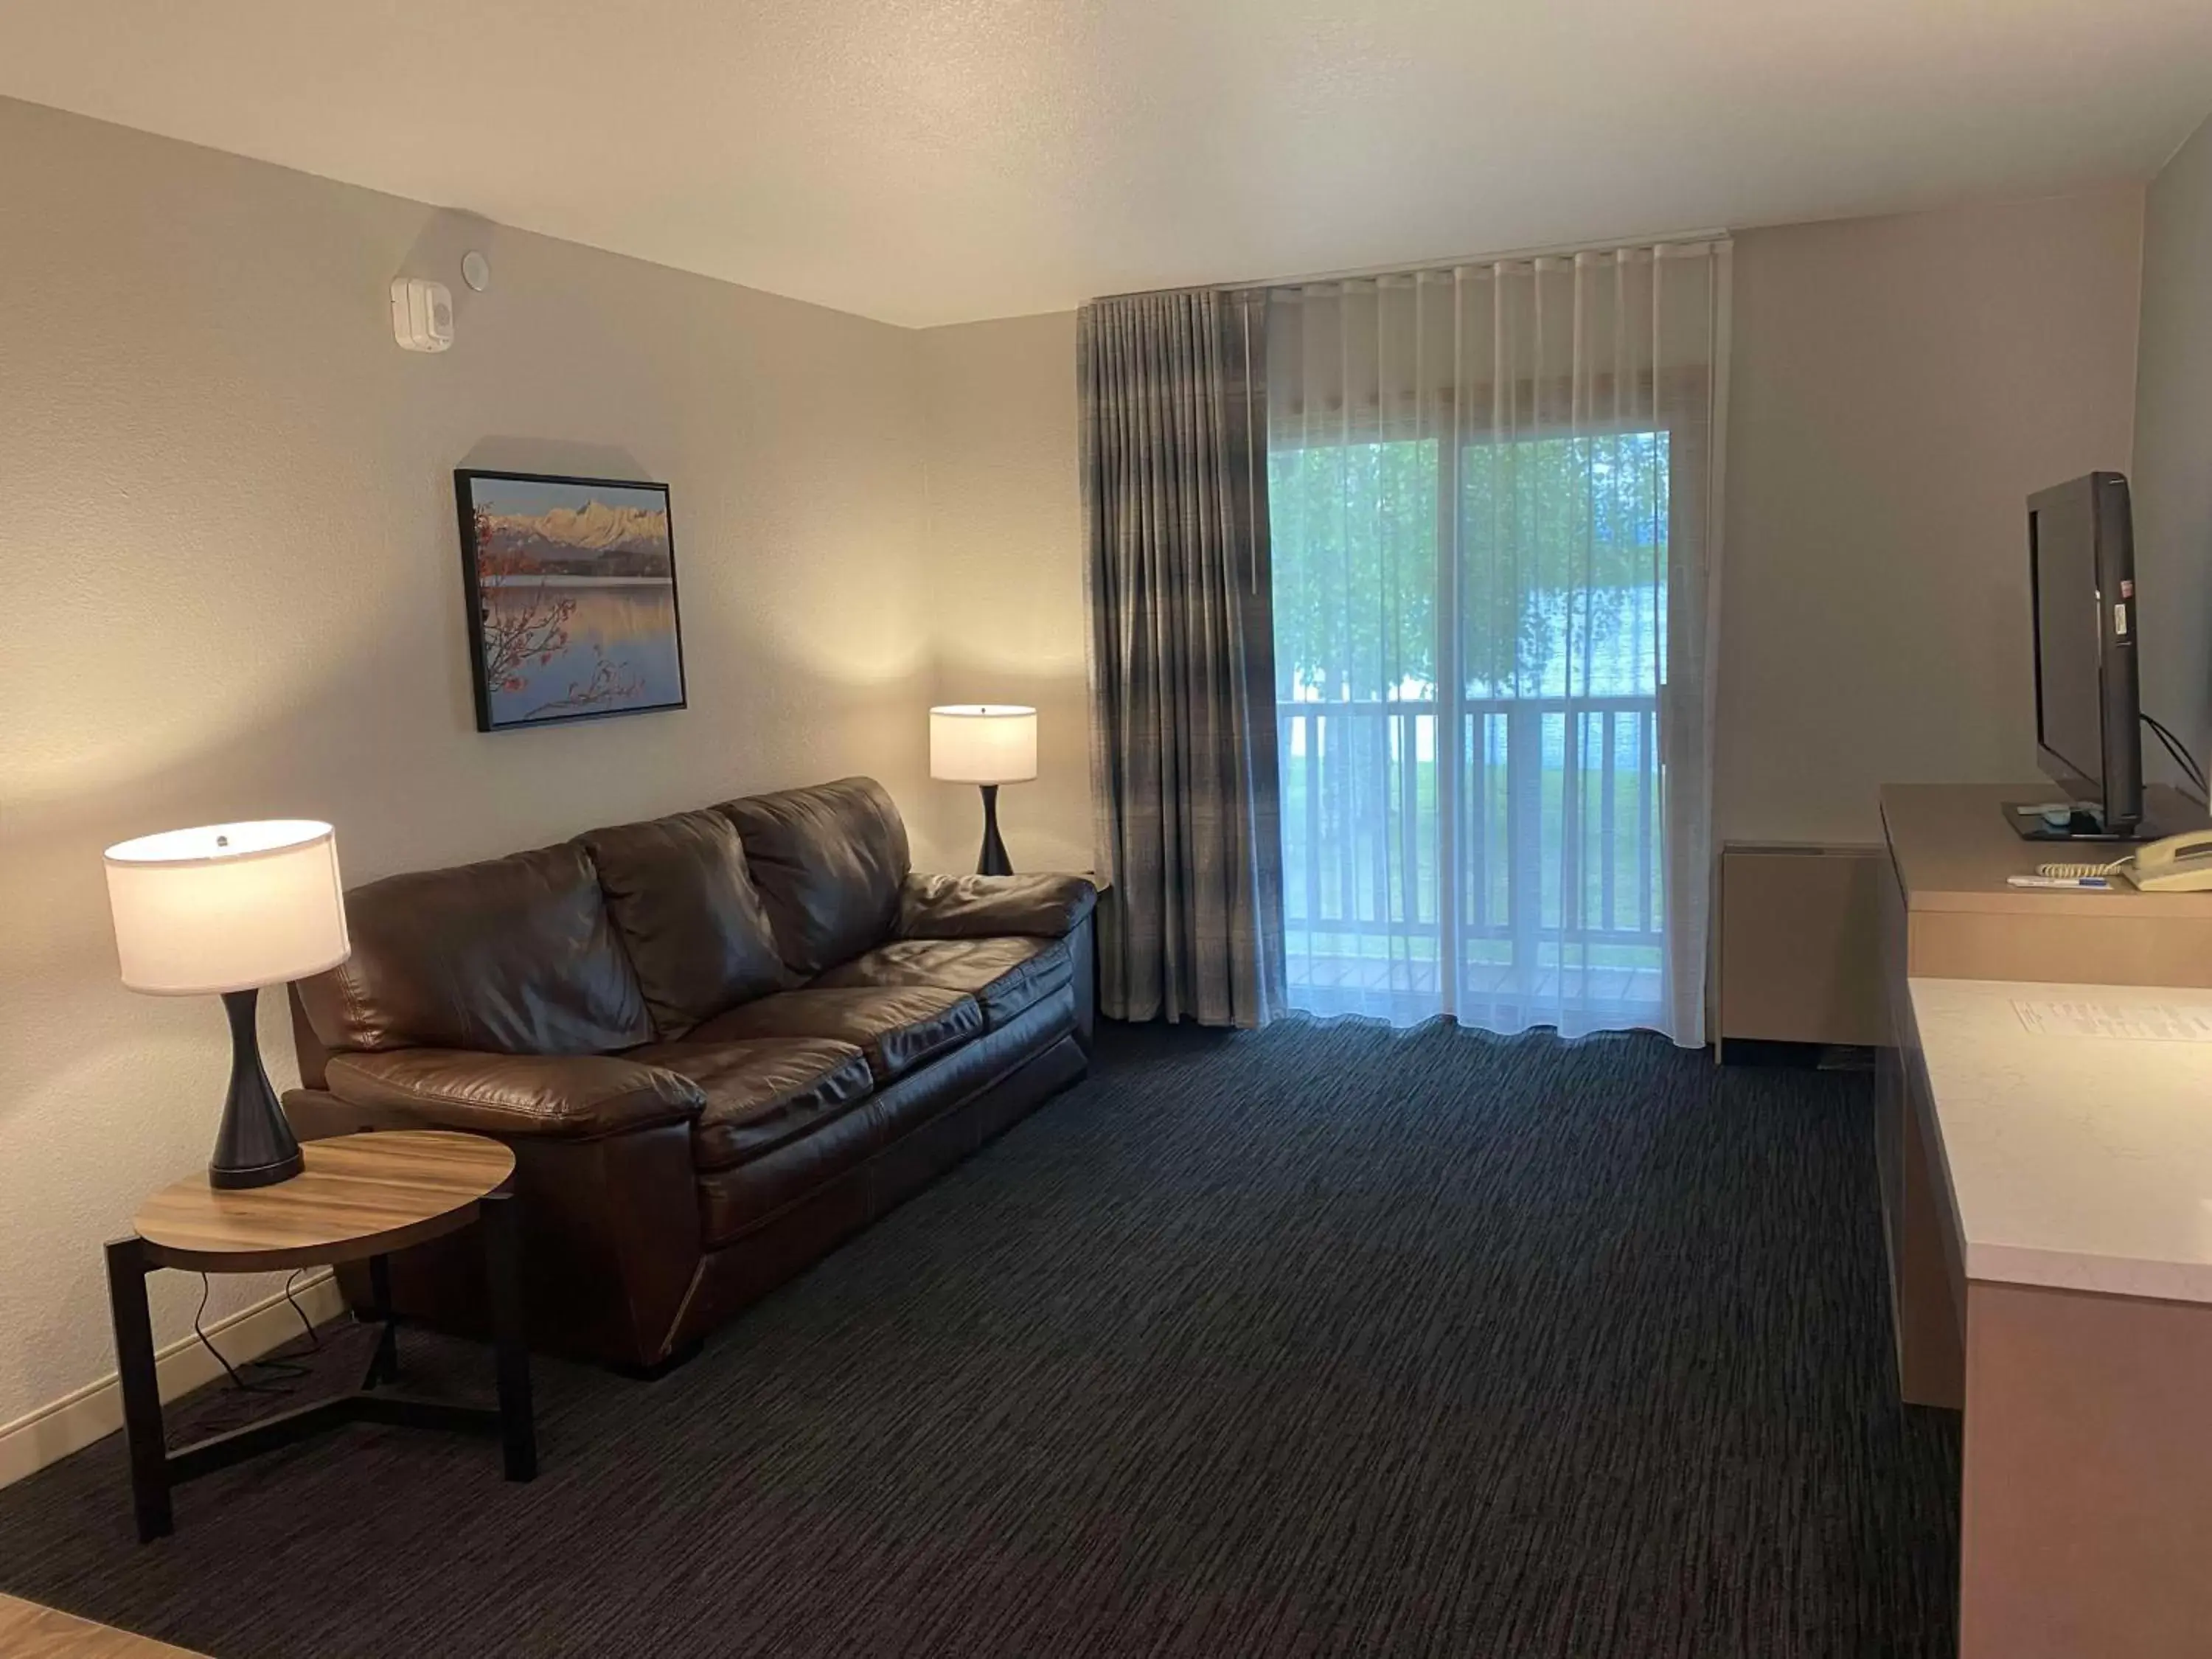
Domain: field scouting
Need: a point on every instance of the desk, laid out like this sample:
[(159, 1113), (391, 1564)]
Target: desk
[(1954, 917), (2047, 1207)]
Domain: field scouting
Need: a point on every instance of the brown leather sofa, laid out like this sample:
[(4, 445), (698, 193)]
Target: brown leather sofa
[(718, 1042)]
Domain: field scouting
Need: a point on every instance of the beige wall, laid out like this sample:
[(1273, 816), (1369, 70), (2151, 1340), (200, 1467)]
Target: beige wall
[(1005, 544), (2173, 476), (1900, 386), (233, 591)]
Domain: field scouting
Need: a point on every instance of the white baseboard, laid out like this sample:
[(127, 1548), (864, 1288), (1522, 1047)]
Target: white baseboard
[(52, 1432)]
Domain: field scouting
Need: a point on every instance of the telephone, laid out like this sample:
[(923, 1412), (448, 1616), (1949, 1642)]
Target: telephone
[(2179, 863)]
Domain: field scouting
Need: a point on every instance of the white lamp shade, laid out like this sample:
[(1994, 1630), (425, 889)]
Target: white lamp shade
[(228, 907), (982, 743)]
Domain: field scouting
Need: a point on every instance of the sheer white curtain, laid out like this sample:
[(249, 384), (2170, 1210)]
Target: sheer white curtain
[(1494, 496)]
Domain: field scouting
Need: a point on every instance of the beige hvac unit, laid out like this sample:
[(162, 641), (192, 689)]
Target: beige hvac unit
[(1800, 956)]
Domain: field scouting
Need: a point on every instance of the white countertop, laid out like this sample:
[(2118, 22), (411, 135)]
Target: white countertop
[(2079, 1162)]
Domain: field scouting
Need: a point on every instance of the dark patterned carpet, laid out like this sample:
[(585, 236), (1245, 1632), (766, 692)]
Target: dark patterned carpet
[(1330, 1340)]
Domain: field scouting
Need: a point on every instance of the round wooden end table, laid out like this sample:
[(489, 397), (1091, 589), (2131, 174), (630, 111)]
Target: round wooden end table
[(360, 1197)]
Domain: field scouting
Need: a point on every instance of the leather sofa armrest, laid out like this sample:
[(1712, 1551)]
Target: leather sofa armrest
[(557, 1095), (989, 906)]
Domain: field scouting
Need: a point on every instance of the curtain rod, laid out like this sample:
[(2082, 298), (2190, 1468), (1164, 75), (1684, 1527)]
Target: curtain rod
[(1555, 251)]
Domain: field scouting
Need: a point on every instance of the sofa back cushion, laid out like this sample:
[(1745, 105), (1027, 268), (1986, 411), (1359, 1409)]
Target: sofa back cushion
[(829, 862), (684, 905), (514, 955)]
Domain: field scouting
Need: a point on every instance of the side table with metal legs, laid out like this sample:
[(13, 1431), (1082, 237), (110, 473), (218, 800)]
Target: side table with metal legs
[(251, 1231)]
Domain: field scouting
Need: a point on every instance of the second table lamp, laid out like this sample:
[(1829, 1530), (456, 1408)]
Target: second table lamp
[(986, 744)]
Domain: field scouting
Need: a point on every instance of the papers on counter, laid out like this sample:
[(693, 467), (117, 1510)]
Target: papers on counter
[(2129, 1022)]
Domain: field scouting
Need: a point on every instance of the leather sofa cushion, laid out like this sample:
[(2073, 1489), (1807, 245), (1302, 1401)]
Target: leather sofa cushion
[(682, 899), (763, 1093), (514, 955), (985, 906), (1005, 976), (735, 1200), (896, 1029), (516, 1095), (829, 862)]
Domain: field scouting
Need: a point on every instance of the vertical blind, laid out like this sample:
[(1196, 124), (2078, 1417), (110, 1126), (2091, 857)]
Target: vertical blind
[(1494, 502)]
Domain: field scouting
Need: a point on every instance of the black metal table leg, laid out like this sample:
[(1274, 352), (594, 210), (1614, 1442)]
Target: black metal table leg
[(385, 1367), (127, 1267), (503, 1235)]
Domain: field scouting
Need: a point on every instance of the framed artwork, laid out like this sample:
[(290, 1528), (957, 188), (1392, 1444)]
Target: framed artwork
[(572, 598)]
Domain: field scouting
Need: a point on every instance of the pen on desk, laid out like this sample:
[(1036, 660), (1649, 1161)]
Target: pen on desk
[(2059, 881)]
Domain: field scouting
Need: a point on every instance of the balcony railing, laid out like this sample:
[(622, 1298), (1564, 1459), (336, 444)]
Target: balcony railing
[(1518, 859)]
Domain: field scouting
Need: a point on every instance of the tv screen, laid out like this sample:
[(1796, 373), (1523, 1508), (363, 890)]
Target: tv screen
[(2081, 580)]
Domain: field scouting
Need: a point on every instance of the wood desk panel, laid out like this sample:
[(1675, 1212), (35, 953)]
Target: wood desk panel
[(2085, 1494), (2119, 947), (1928, 1286)]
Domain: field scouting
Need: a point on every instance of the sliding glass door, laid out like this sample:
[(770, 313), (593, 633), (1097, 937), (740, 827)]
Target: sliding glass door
[(1474, 604)]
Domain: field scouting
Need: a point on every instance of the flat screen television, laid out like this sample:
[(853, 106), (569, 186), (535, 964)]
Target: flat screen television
[(2081, 583)]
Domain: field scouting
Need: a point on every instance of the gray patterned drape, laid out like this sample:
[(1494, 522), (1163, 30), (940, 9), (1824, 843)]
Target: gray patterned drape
[(1183, 718)]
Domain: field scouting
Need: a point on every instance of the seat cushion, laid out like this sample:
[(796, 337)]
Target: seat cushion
[(514, 955), (829, 862), (897, 1028), (735, 1200), (762, 1093), (683, 900), (1005, 976)]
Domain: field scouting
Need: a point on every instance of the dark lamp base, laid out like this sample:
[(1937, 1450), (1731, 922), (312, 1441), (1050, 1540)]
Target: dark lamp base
[(269, 1174), (255, 1146), (993, 861)]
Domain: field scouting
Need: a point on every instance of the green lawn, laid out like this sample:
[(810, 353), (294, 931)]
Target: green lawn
[(1359, 882)]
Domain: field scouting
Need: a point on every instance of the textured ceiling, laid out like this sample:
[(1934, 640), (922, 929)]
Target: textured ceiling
[(935, 160)]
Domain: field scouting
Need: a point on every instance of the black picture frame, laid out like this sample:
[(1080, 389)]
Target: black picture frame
[(539, 651)]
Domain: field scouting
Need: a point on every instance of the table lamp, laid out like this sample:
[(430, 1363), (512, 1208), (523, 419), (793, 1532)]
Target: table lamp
[(225, 910), (988, 743)]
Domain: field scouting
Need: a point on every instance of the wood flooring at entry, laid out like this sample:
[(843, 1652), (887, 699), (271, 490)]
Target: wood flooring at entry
[(28, 1630)]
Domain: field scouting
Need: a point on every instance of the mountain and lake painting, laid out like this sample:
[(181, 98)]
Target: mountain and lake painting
[(572, 598)]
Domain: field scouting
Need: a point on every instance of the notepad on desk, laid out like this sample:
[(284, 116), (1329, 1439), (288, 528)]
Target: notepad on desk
[(2130, 1022)]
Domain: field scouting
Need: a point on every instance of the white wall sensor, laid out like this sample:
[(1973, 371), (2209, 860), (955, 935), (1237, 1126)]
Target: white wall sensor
[(476, 270), (422, 315)]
